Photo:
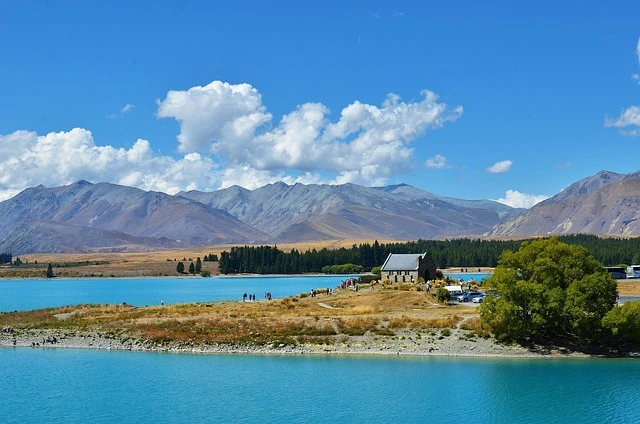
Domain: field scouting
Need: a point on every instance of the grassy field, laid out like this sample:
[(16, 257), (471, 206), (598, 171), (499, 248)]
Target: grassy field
[(294, 320)]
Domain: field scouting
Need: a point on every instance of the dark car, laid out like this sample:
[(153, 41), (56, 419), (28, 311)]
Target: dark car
[(468, 296)]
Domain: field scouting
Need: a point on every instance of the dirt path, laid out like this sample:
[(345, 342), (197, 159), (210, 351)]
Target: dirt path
[(324, 305)]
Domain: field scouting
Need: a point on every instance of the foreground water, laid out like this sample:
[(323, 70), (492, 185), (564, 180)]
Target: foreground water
[(74, 386), (22, 295)]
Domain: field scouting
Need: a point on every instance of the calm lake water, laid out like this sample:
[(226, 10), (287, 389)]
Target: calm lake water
[(77, 386), (22, 295), (467, 276)]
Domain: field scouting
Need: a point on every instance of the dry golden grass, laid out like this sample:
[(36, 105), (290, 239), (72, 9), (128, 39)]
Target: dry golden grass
[(629, 287), (289, 320)]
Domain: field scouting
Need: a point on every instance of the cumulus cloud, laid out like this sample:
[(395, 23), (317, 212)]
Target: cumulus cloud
[(228, 137), (515, 199), (437, 162), (58, 158), (499, 167), (218, 115), (366, 143)]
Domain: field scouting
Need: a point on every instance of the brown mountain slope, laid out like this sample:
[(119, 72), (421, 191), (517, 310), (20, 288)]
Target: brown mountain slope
[(612, 208)]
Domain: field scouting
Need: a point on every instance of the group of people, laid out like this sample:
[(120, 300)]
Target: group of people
[(49, 340), (314, 292), (350, 283), (252, 297)]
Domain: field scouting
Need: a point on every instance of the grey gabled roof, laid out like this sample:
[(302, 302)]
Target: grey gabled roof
[(402, 262)]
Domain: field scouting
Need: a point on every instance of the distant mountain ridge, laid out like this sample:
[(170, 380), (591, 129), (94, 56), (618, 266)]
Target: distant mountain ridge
[(84, 217), (321, 212), (139, 219), (606, 204)]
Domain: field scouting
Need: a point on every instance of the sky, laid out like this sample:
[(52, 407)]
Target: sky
[(474, 100)]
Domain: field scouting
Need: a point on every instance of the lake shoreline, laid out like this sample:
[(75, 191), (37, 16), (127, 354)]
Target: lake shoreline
[(458, 344)]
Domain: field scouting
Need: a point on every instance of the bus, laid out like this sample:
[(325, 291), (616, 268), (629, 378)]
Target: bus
[(619, 272), (633, 271)]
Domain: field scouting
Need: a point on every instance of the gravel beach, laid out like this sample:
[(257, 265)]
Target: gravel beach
[(460, 343)]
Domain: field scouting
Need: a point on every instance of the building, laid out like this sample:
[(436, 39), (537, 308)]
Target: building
[(406, 268)]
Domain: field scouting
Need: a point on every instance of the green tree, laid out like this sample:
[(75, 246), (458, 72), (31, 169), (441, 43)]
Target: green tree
[(198, 265), (547, 289), (180, 268), (49, 271), (192, 268), (623, 322)]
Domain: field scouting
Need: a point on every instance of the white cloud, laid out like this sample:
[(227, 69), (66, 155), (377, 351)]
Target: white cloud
[(437, 162), (515, 199), (498, 167), (216, 115), (629, 116), (367, 143), (27, 159), (125, 109), (227, 137)]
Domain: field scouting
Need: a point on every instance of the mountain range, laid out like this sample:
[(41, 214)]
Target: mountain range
[(83, 217)]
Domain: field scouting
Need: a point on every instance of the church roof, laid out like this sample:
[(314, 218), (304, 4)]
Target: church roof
[(402, 262)]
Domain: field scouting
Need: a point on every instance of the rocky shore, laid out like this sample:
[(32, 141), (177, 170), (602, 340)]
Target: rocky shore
[(460, 343)]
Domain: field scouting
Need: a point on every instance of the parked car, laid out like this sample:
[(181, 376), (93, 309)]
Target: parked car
[(469, 296), (479, 299)]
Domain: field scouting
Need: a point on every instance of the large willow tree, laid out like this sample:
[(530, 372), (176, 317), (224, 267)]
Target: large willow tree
[(548, 289)]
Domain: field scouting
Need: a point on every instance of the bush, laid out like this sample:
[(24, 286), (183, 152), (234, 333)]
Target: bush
[(343, 269), (376, 270), (205, 273), (366, 279), (443, 295), (439, 274), (624, 322)]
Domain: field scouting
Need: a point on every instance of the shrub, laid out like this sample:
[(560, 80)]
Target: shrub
[(624, 322), (443, 295), (205, 273)]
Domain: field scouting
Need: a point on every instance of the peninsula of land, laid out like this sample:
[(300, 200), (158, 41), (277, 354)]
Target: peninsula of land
[(397, 320)]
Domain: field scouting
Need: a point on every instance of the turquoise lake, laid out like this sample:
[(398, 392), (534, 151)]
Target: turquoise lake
[(22, 295), (78, 386)]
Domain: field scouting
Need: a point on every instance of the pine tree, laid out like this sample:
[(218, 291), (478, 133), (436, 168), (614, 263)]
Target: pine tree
[(49, 271), (192, 268), (198, 265), (180, 268)]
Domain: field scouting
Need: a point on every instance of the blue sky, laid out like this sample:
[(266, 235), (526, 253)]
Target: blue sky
[(492, 100)]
